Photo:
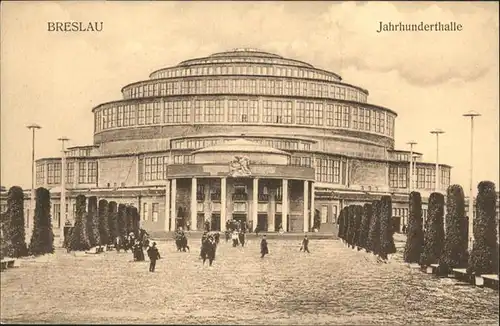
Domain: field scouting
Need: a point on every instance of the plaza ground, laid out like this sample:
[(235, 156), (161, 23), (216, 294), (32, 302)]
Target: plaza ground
[(333, 285)]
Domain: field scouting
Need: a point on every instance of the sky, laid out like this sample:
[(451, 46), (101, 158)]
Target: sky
[(429, 78)]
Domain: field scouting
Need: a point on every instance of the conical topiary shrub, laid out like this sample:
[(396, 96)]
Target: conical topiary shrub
[(96, 236), (415, 235), (103, 222), (434, 231), (42, 238), (484, 255), (341, 221), (129, 213), (78, 240), (136, 221), (387, 246), (345, 232), (351, 225), (455, 253), (365, 226), (15, 234), (358, 215), (122, 220), (90, 219), (113, 221), (374, 232)]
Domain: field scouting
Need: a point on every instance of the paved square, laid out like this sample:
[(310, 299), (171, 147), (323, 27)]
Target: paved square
[(332, 285)]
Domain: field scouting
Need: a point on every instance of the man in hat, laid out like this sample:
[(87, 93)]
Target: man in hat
[(263, 247), (153, 255), (305, 244)]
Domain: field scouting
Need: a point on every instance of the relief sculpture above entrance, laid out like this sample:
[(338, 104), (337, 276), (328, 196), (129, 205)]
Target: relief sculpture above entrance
[(240, 167)]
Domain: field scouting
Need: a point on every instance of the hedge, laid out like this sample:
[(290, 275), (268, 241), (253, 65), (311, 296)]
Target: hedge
[(42, 238), (415, 235), (455, 254), (79, 240), (15, 234), (387, 245), (351, 225), (484, 255), (434, 231)]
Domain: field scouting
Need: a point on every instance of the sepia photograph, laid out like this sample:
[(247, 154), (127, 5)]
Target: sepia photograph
[(249, 163)]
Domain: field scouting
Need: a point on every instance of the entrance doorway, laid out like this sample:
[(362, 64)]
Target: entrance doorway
[(278, 220), (215, 222), (241, 219), (262, 222), (200, 221)]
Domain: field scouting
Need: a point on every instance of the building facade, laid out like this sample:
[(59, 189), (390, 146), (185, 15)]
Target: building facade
[(245, 135)]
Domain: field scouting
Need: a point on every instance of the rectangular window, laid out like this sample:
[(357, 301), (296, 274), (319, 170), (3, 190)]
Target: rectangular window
[(398, 177), (142, 114), (82, 176), (40, 174), (92, 172), (70, 171), (157, 111), (329, 115), (145, 211), (354, 117), (156, 209)]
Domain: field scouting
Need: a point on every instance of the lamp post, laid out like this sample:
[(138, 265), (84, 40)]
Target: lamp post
[(62, 210), (33, 127), (471, 115), (437, 132), (411, 143)]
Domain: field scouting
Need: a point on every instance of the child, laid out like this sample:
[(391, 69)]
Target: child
[(263, 247)]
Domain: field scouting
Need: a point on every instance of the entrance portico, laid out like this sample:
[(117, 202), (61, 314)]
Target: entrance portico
[(240, 180)]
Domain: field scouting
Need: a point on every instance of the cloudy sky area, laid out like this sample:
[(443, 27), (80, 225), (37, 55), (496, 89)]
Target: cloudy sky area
[(430, 79)]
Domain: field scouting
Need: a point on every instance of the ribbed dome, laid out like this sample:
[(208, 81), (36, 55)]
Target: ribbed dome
[(241, 146)]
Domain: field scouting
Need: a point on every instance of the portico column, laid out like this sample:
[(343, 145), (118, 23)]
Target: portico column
[(255, 195), (223, 203), (173, 208), (306, 206), (284, 205), (312, 204), (194, 205), (167, 207)]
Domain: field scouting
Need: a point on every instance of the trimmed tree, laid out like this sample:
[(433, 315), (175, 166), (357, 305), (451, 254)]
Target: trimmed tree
[(374, 232), (434, 231), (455, 254), (484, 255), (345, 232), (103, 222), (122, 220), (42, 238), (136, 221), (78, 240), (358, 215), (387, 245), (96, 236), (351, 230), (341, 221), (365, 226), (129, 218), (113, 221), (15, 234), (90, 217), (415, 235)]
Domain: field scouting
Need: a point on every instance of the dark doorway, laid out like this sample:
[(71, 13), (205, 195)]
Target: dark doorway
[(241, 218), (215, 222), (262, 222), (278, 221)]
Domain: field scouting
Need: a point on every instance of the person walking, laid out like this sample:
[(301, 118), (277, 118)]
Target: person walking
[(264, 250), (153, 255), (305, 245), (241, 238), (235, 238)]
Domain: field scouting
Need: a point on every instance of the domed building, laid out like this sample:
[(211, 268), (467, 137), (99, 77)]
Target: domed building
[(244, 135)]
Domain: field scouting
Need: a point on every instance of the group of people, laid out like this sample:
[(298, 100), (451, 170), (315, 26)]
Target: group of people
[(209, 243)]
